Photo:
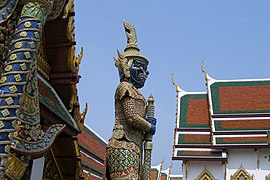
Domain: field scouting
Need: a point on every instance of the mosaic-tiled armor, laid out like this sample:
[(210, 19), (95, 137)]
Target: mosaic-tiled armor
[(124, 150)]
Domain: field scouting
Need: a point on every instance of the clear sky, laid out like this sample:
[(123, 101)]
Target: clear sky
[(233, 38)]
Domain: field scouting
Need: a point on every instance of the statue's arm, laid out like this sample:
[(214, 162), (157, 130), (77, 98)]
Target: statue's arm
[(132, 116)]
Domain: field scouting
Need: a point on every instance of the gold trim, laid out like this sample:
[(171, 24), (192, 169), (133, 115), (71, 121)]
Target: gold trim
[(5, 142), (21, 50), (205, 175), (17, 61), (15, 72), (27, 29), (241, 173), (11, 95), (258, 157), (6, 130), (15, 167), (13, 83), (57, 165), (9, 107), (186, 164)]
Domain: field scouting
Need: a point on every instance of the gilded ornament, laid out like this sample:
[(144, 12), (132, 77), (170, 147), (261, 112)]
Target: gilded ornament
[(23, 34), (241, 173), (9, 10), (13, 57), (8, 68), (2, 3), (27, 55), (2, 124), (4, 15), (23, 66), (5, 112), (18, 45), (14, 41), (9, 100), (13, 89), (39, 25), (10, 136), (36, 34), (15, 125), (15, 134), (27, 24), (18, 77), (3, 79), (17, 143), (7, 148), (15, 167), (32, 45), (4, 162), (27, 146)]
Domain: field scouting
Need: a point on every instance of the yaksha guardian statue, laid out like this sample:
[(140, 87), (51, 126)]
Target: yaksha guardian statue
[(124, 150)]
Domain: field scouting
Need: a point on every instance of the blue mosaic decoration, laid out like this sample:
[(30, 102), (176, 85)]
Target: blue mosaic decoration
[(20, 129)]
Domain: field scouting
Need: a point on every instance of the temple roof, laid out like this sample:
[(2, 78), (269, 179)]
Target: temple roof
[(231, 114), (239, 96), (49, 98)]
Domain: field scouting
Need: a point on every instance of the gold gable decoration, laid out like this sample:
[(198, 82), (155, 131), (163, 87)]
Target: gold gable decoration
[(205, 175), (43, 66), (241, 173)]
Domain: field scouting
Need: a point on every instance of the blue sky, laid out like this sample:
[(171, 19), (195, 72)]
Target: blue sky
[(233, 38)]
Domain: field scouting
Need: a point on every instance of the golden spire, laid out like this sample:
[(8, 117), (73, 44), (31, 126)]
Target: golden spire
[(77, 60), (160, 169), (174, 83), (203, 70), (170, 168)]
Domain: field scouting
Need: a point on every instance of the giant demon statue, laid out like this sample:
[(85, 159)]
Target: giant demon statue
[(124, 150)]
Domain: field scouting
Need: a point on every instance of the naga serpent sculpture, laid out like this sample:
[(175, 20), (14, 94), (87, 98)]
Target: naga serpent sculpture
[(21, 135)]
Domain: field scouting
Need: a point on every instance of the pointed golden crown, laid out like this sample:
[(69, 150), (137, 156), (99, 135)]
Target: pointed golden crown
[(131, 52), (132, 49)]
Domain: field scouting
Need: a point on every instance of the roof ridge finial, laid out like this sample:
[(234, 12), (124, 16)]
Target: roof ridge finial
[(177, 88), (170, 168), (204, 71)]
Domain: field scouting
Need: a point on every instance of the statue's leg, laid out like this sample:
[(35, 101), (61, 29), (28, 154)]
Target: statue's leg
[(123, 161), (20, 130)]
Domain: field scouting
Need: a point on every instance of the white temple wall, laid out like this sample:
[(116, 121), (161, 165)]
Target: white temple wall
[(195, 168), (253, 162)]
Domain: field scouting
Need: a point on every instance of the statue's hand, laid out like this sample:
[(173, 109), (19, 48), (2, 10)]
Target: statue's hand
[(152, 120), (153, 129)]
